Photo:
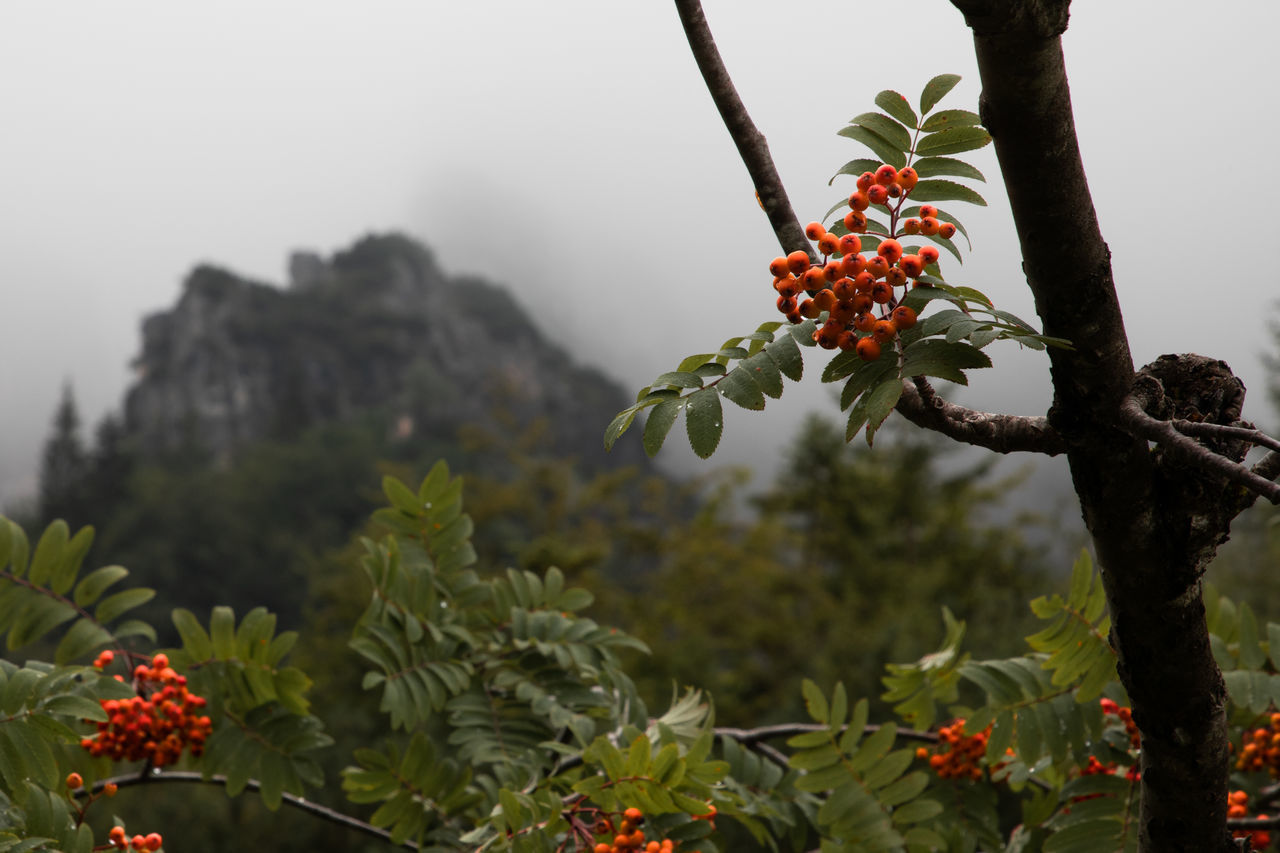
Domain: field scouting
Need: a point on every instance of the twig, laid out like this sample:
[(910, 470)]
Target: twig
[(1202, 429), (749, 737), (1001, 433), (1142, 425), (752, 147), (1268, 467), (323, 812)]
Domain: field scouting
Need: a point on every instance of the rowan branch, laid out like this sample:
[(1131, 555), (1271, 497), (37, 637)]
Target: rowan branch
[(1202, 429), (292, 800), (1268, 467), (752, 147), (921, 405), (1138, 423)]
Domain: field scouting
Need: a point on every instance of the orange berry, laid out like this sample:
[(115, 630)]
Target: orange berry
[(75, 781), (160, 661), (852, 263), (778, 267), (911, 265), (862, 302), (865, 180), (798, 262), (855, 221), (633, 814), (868, 349), (877, 194), (946, 230), (865, 321), (849, 244), (884, 331), (878, 266), (844, 289), (886, 175), (864, 281), (110, 789), (824, 299), (828, 244), (138, 842), (842, 313), (832, 271), (881, 292), (911, 226), (904, 317), (813, 278), (814, 230), (928, 210), (787, 304), (907, 178), (154, 841), (889, 249), (922, 753), (895, 277), (847, 341), (929, 254), (808, 309), (859, 200), (929, 226)]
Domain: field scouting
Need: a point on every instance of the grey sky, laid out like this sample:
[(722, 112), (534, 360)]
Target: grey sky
[(567, 149)]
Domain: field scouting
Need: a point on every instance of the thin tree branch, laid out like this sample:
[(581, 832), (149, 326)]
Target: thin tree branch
[(1142, 425), (748, 737), (315, 809), (921, 405), (1268, 467), (1203, 429), (752, 147)]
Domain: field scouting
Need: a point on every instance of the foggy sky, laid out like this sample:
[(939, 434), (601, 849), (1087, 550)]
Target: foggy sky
[(569, 151)]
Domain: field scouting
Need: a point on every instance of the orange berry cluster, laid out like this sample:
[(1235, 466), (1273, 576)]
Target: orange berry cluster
[(1126, 716), (958, 754), (1261, 749), (120, 840), (847, 285), (154, 727), (630, 837), (104, 659), (1238, 806)]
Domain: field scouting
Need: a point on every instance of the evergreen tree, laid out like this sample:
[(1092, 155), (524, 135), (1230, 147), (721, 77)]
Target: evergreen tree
[(63, 465)]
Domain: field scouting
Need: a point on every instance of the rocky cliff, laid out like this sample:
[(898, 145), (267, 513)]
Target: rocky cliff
[(378, 327)]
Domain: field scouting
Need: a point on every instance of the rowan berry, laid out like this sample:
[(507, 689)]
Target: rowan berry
[(852, 264), (929, 226), (911, 226), (798, 262), (877, 266), (907, 178), (865, 180), (929, 254), (865, 322), (779, 267), (814, 230), (855, 221), (787, 304), (886, 175), (911, 265), (832, 271), (808, 309), (889, 249), (859, 200), (842, 313), (928, 210), (864, 281), (825, 299), (881, 292), (884, 331), (847, 341), (904, 317), (946, 230), (868, 349), (877, 194), (850, 244), (844, 289), (895, 277), (813, 278), (828, 243)]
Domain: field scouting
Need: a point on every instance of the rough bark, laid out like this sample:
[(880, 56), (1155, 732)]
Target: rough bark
[(1153, 539)]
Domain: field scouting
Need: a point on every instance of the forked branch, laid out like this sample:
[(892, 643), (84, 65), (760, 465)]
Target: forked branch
[(921, 405), (1138, 423)]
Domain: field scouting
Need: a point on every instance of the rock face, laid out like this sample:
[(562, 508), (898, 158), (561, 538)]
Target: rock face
[(375, 328)]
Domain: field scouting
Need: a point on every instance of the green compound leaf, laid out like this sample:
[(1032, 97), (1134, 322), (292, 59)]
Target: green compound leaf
[(765, 371), (936, 89), (891, 131), (953, 141), (950, 118), (873, 407), (680, 379), (659, 424), (853, 167), (938, 190), (880, 146), (740, 388), (932, 167), (943, 359), (785, 353), (704, 421), (619, 425), (897, 106)]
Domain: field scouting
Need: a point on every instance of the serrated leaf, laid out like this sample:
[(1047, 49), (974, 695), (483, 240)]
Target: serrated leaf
[(943, 359), (618, 426), (941, 190), (950, 118), (897, 106), (935, 90), (932, 167), (661, 418), (95, 583), (878, 403), (121, 602), (704, 421), (741, 389), (766, 372), (881, 147), (853, 167), (785, 353), (887, 128), (680, 379), (952, 141)]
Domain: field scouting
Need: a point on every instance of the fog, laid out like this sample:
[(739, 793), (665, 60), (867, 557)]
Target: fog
[(569, 151)]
